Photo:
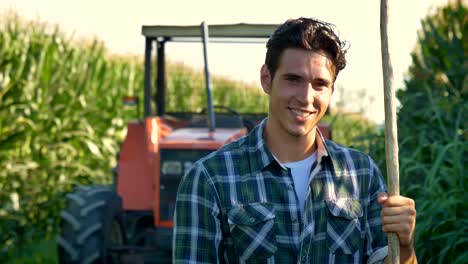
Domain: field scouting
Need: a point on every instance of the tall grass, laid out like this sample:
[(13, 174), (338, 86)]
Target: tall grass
[(61, 120), (434, 174), (433, 136)]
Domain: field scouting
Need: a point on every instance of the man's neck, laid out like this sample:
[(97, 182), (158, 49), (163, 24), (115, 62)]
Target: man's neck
[(286, 147)]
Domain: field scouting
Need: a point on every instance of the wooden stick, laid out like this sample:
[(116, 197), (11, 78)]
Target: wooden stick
[(391, 135)]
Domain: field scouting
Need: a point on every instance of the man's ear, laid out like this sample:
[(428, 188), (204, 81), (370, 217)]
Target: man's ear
[(265, 79)]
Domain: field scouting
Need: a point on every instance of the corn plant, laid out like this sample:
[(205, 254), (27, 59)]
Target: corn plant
[(59, 123), (433, 136)]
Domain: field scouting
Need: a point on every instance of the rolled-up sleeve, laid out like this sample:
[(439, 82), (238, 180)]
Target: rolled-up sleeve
[(197, 233)]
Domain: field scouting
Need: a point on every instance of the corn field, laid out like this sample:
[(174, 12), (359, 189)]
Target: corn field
[(62, 120)]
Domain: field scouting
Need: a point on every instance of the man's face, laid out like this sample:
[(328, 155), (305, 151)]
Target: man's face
[(300, 91)]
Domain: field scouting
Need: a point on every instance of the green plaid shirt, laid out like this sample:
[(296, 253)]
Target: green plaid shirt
[(239, 205)]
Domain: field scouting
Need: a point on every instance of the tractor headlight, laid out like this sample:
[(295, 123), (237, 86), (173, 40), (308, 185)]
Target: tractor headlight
[(172, 167)]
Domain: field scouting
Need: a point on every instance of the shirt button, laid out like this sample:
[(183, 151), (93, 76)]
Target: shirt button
[(290, 187), (252, 220)]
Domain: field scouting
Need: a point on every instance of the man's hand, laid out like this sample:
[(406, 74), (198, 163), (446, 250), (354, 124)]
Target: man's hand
[(399, 217)]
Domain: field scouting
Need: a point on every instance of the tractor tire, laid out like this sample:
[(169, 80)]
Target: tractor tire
[(92, 221)]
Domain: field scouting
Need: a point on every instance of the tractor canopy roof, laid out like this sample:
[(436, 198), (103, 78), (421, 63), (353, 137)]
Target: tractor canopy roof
[(234, 32), (221, 33)]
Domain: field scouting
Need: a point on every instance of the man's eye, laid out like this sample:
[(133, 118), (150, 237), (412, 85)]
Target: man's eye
[(293, 79), (321, 86)]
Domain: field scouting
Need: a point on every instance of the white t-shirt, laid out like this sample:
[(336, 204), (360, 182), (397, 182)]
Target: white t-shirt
[(300, 171)]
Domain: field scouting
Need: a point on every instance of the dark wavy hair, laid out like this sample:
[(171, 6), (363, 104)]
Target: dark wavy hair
[(309, 34)]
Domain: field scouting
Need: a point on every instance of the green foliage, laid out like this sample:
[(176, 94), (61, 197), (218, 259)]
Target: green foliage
[(187, 92), (355, 131), (59, 123), (433, 136), (42, 251), (61, 120), (352, 129)]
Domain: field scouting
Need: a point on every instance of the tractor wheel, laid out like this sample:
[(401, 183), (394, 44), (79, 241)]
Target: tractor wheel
[(91, 223)]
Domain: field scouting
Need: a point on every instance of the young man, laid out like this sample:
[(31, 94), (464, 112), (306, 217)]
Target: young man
[(283, 194)]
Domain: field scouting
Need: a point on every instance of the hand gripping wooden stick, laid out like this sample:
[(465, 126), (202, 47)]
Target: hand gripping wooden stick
[(391, 135)]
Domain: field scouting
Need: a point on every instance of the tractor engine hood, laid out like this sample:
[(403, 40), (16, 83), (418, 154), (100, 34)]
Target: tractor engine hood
[(201, 138)]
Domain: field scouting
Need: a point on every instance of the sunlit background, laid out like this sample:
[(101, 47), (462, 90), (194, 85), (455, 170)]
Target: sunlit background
[(118, 24)]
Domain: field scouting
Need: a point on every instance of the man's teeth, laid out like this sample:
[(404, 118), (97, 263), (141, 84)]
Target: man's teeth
[(300, 113)]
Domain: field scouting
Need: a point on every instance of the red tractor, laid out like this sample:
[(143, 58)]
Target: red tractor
[(131, 221)]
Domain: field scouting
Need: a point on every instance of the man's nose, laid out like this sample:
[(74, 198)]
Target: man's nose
[(308, 93)]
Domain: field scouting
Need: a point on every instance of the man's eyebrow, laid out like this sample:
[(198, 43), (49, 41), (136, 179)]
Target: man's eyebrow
[(292, 75), (322, 80), (295, 76)]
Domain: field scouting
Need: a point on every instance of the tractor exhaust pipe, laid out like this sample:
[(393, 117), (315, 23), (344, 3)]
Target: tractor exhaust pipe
[(211, 115)]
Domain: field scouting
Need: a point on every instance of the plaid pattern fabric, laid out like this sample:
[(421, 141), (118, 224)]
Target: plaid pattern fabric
[(239, 205)]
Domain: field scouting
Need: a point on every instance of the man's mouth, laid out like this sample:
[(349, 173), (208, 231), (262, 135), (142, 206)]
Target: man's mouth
[(301, 113)]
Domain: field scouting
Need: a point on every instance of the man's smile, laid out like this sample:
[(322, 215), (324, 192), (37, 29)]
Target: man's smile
[(303, 114)]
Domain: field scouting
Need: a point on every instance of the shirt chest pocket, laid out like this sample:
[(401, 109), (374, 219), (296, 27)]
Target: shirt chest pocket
[(252, 228), (344, 234)]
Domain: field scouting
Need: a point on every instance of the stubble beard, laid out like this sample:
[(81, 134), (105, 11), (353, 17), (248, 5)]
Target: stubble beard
[(297, 133)]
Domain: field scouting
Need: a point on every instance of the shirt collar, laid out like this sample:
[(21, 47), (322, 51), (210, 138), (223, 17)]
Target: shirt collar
[(322, 150), (261, 156)]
